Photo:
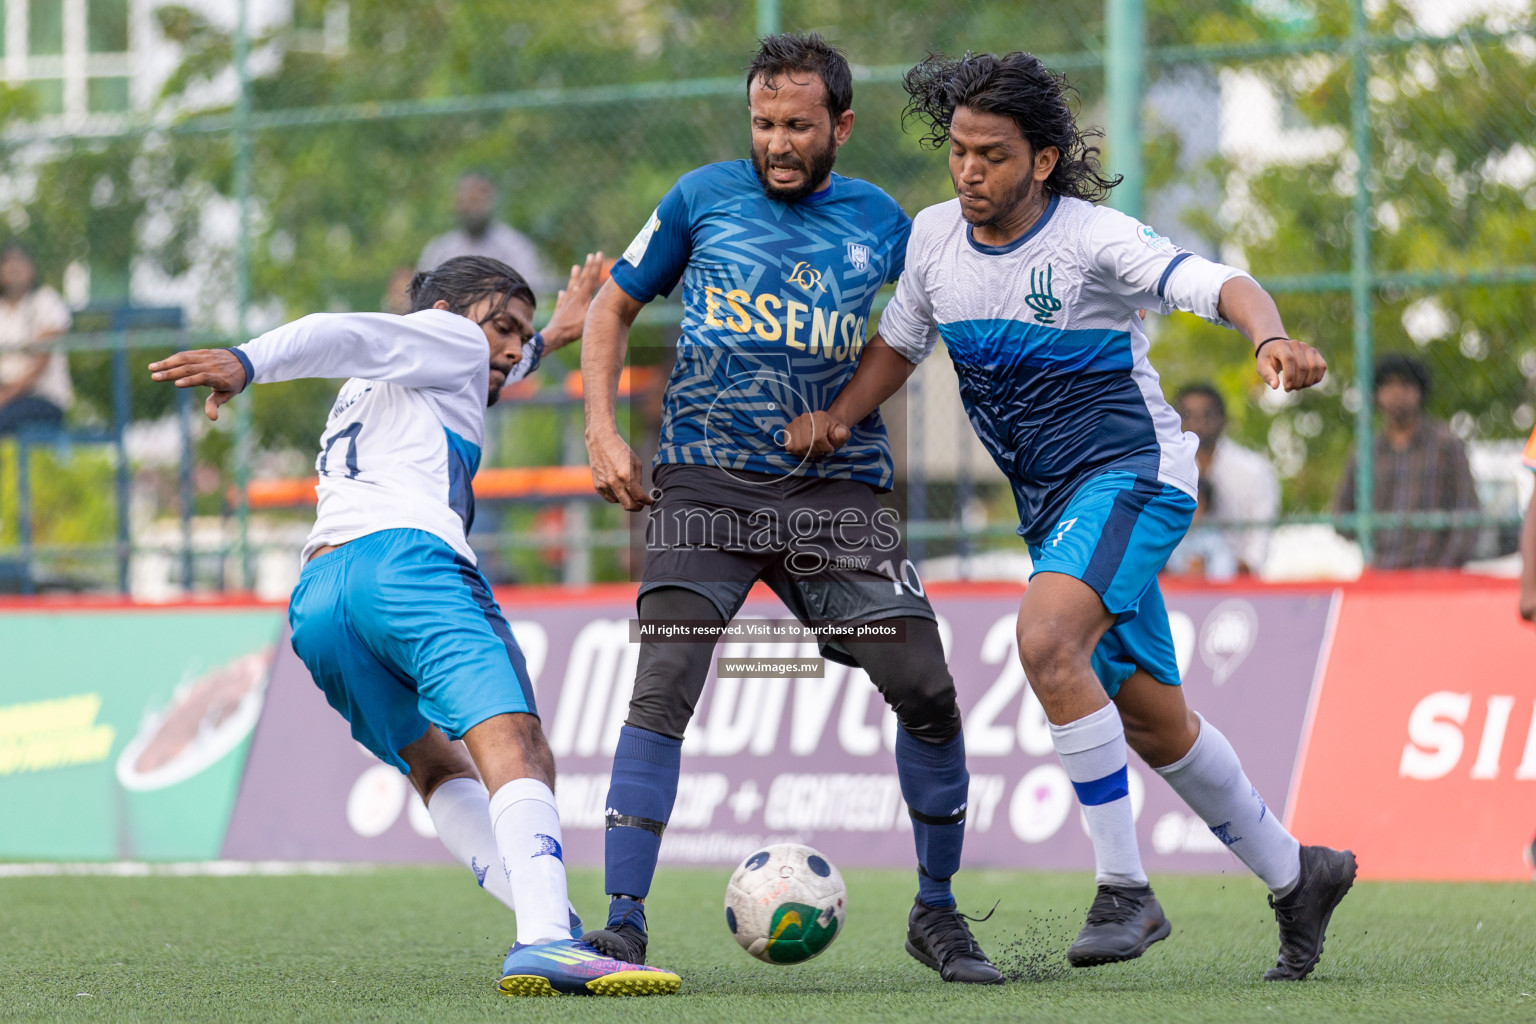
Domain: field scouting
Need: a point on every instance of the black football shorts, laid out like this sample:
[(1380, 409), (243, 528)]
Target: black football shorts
[(827, 548)]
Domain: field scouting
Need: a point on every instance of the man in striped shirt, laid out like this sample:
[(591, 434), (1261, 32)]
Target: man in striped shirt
[(1418, 466)]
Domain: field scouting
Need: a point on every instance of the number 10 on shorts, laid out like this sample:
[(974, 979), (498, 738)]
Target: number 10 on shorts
[(905, 576)]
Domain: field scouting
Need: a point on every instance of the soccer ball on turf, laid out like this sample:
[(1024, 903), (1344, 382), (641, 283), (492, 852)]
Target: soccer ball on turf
[(785, 903)]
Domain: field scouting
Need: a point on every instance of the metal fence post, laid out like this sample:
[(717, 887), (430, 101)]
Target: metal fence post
[(242, 183), (24, 510), (1362, 282), (1125, 61), (768, 18), (184, 422), (121, 399)]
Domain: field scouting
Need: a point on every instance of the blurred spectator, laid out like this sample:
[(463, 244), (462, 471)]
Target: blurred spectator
[(397, 291), (480, 234), (34, 378), (1420, 466), (1204, 551), (1528, 550), (1243, 485)]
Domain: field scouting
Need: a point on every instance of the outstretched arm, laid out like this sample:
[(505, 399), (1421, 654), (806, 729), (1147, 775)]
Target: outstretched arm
[(431, 348), (1149, 271), (1281, 360), (216, 368), (881, 373)]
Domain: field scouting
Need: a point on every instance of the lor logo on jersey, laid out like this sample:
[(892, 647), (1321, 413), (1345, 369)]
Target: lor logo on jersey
[(806, 276)]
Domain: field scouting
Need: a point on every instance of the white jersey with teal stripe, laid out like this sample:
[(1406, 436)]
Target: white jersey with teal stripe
[(403, 439), (1048, 346)]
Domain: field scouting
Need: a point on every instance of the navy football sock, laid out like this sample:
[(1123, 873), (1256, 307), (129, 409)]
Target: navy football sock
[(640, 797), (934, 783), (623, 909)]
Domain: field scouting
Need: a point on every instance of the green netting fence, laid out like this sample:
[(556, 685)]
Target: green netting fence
[(1373, 166)]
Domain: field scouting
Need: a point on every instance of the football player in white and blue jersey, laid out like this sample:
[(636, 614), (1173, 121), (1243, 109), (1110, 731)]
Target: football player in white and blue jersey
[(391, 616), (1037, 293), (779, 260)]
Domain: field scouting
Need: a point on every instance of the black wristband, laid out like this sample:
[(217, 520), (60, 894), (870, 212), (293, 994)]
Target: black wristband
[(1266, 341)]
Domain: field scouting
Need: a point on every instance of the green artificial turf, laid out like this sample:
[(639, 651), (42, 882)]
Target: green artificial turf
[(422, 944)]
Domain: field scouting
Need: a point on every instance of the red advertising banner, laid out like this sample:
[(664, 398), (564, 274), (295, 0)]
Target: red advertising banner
[(1421, 752), (804, 759)]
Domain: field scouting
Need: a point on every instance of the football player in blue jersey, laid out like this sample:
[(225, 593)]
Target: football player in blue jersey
[(392, 618), (1036, 292), (779, 260)]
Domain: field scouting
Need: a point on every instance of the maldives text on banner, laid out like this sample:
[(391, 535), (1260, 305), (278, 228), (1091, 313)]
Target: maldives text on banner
[(805, 759)]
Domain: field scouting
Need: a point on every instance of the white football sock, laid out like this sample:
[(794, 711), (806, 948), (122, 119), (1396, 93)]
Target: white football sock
[(1210, 779), (1092, 750), (527, 828), (461, 810)]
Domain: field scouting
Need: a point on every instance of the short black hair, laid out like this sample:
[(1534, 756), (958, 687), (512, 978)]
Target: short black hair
[(791, 52), (1021, 88), (466, 280), (1205, 389), (1399, 367)]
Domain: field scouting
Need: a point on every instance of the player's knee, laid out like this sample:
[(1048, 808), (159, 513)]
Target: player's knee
[(1050, 652), (427, 779), (1160, 742), (531, 731), (918, 687), (658, 703), (931, 717), (668, 682)]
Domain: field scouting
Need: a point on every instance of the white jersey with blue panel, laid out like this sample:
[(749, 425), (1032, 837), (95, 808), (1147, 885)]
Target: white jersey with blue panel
[(1048, 346), (402, 442), (776, 299)]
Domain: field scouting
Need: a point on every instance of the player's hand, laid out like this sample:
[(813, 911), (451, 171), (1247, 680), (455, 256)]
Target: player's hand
[(571, 304), (813, 434), (1295, 363), (216, 368), (616, 471), (1528, 604)]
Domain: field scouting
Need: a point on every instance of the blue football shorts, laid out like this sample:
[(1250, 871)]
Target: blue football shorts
[(400, 632), (1115, 535)]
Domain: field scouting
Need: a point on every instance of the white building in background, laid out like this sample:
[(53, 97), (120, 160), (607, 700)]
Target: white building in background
[(90, 62), (93, 67)]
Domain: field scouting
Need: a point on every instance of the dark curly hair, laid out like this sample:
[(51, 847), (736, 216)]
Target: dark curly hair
[(464, 281), (1019, 87)]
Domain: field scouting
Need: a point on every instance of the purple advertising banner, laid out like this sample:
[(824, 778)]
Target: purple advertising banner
[(803, 759)]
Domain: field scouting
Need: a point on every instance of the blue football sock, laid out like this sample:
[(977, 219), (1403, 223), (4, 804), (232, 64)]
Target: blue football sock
[(934, 783), (622, 909), (640, 797)]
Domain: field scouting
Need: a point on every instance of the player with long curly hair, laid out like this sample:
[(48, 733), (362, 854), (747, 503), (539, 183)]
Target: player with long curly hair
[(1037, 293)]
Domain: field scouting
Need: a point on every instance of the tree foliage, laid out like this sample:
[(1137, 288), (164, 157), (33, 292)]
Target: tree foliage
[(339, 202)]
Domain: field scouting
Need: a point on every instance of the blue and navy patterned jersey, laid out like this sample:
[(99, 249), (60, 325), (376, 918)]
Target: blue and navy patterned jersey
[(776, 300)]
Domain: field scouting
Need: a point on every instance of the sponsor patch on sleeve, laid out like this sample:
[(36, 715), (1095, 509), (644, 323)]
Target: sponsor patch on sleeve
[(636, 251), (1156, 242)]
